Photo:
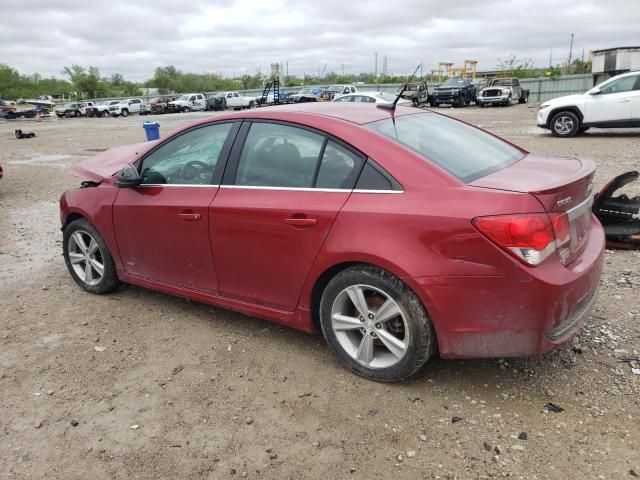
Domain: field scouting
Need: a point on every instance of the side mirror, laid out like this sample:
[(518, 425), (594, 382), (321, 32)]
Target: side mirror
[(596, 91), (128, 177)]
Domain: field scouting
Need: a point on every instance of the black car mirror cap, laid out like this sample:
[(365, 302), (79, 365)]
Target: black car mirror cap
[(128, 177)]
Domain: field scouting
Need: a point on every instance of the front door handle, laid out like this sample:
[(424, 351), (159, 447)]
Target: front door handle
[(301, 221), (189, 216), (624, 100)]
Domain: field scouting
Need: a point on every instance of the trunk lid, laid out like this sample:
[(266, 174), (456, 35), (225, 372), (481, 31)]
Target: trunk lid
[(561, 184)]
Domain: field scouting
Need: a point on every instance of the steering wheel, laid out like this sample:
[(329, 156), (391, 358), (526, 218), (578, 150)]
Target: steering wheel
[(193, 170)]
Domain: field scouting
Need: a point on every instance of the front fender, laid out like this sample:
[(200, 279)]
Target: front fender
[(95, 204)]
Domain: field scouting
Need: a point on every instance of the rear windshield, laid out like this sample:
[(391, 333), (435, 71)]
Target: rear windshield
[(466, 152)]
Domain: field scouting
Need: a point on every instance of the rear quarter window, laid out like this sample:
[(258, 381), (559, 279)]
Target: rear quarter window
[(466, 152)]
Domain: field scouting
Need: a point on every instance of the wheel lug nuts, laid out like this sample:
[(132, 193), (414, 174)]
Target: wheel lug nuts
[(373, 334), (361, 318), (371, 316), (378, 326), (363, 330)]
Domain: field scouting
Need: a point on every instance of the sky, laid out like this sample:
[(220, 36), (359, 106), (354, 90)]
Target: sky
[(234, 37)]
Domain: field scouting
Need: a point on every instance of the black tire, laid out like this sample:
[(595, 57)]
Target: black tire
[(415, 102), (109, 280), (124, 112), (186, 110), (422, 339), (480, 104), (564, 124), (523, 99), (76, 113)]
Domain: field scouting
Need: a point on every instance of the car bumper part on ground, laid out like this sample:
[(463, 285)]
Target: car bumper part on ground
[(541, 118), (537, 309)]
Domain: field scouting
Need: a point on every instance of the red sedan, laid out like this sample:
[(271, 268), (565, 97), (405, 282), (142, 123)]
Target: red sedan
[(396, 234)]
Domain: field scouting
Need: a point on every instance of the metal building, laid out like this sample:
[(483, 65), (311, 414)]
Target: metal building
[(609, 62)]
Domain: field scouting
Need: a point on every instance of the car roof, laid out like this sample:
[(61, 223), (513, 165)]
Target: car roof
[(350, 112)]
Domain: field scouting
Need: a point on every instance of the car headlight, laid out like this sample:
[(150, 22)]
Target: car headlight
[(545, 105), (505, 90)]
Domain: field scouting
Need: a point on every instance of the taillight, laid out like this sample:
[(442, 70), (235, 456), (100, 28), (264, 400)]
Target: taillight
[(530, 237)]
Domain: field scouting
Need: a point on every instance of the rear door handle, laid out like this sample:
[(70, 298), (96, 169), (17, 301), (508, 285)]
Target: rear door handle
[(189, 216), (624, 100), (301, 221)]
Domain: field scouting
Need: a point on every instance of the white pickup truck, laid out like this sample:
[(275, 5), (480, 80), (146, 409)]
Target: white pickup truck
[(125, 107), (237, 101), (188, 102)]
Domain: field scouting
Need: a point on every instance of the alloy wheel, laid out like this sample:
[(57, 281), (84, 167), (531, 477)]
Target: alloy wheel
[(370, 326), (86, 258), (563, 125)]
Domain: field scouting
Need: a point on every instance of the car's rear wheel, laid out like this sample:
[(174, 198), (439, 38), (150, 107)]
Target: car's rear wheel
[(88, 259), (565, 124), (375, 324)]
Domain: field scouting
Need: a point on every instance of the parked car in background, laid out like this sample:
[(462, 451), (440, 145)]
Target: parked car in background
[(502, 91), (74, 109), (236, 101), (371, 97), (125, 107), (369, 224), (334, 90), (217, 102), (304, 95), (188, 102), (612, 104), (455, 91), (161, 104), (416, 92), (100, 109), (1, 172)]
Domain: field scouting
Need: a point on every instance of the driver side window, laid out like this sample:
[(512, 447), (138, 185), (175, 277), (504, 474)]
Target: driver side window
[(189, 159)]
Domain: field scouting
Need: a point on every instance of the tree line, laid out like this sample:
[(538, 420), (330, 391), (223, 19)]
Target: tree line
[(86, 82)]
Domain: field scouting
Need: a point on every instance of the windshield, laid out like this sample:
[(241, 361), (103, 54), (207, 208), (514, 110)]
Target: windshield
[(114, 102), (304, 91), (501, 83), (334, 88), (183, 98), (387, 97), (464, 151), (453, 82)]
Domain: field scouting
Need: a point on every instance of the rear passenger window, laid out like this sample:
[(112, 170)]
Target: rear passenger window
[(277, 155), (339, 167), (374, 177)]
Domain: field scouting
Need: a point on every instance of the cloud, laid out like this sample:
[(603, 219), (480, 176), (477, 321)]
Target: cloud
[(233, 37)]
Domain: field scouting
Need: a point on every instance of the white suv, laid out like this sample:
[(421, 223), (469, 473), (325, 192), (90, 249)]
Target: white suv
[(612, 104)]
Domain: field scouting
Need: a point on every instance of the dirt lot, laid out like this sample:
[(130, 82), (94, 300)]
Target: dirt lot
[(219, 395)]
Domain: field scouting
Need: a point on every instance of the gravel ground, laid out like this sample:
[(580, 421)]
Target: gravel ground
[(137, 384)]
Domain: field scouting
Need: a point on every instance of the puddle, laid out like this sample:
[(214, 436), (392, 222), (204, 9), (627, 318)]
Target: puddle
[(29, 240)]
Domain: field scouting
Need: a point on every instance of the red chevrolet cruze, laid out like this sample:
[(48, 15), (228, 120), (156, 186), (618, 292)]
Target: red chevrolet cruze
[(398, 234)]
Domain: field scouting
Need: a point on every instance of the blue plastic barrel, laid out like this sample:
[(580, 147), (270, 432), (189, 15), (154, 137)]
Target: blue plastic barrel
[(152, 130)]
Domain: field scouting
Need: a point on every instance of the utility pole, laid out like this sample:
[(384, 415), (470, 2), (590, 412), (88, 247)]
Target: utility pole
[(342, 69), (550, 59), (571, 49), (287, 71), (375, 71), (421, 70)]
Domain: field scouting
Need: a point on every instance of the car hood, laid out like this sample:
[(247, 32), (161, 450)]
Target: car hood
[(106, 164), (565, 99)]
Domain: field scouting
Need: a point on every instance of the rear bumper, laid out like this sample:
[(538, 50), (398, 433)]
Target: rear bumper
[(529, 311)]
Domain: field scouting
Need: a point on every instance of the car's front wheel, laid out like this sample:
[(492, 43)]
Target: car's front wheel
[(565, 124), (125, 113), (375, 324), (88, 259)]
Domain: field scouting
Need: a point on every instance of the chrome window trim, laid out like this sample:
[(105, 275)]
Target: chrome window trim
[(176, 185), (310, 189), (581, 208)]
